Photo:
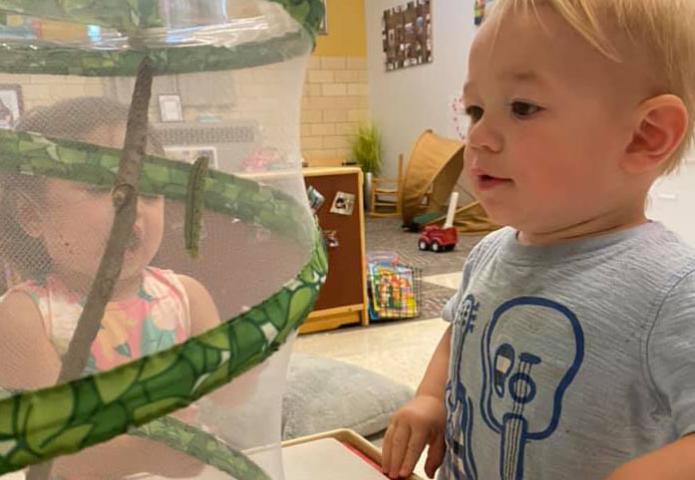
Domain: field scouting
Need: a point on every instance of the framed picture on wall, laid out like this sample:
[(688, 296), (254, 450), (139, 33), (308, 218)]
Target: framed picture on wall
[(191, 153), (407, 35), (11, 105), (170, 108), (323, 26)]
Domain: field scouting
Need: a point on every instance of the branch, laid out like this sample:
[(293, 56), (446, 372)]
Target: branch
[(125, 201)]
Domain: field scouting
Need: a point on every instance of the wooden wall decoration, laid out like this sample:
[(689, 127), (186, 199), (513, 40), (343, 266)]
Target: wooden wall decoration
[(407, 35)]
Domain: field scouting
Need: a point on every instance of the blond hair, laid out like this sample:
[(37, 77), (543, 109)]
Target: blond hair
[(663, 29)]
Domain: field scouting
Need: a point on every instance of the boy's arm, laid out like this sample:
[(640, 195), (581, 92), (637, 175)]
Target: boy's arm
[(437, 373), (421, 421), (672, 462)]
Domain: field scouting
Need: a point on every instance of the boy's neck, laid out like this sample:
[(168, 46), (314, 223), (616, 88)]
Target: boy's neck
[(589, 228)]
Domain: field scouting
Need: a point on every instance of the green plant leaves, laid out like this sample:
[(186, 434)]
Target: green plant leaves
[(366, 148)]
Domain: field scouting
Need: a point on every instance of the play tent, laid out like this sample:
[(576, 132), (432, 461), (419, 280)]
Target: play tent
[(433, 172)]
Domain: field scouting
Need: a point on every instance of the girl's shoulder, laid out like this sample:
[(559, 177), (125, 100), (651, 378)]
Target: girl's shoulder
[(204, 314), (19, 300), (27, 358), (163, 282), (22, 303)]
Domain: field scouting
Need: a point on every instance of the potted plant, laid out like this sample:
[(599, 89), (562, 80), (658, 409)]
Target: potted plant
[(366, 153)]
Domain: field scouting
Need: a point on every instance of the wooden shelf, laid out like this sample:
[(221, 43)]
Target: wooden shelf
[(343, 299)]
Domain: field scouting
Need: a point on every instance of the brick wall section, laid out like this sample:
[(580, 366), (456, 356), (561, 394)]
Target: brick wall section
[(335, 101)]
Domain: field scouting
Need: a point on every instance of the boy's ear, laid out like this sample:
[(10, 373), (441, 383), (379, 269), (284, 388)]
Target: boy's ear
[(662, 123)]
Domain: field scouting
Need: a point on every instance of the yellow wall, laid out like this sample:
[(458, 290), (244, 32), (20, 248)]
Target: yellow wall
[(347, 33)]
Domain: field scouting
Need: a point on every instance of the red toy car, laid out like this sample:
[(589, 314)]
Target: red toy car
[(438, 239)]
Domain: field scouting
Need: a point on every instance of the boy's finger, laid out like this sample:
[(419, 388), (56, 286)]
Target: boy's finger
[(399, 444), (415, 446), (386, 449), (435, 456)]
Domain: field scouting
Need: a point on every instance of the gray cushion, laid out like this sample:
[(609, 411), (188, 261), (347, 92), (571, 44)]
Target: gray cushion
[(325, 394)]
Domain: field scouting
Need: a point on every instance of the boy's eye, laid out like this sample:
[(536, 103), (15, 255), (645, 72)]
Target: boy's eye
[(475, 112), (524, 109)]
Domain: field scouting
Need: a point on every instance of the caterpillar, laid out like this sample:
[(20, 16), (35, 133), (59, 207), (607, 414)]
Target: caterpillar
[(195, 195)]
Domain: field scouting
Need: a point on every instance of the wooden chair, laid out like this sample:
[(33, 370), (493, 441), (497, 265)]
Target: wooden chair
[(385, 197)]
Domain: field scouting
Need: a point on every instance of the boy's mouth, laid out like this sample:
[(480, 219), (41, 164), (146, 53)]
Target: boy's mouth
[(487, 182)]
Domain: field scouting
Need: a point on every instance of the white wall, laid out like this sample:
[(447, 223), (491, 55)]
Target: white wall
[(406, 102), (672, 201)]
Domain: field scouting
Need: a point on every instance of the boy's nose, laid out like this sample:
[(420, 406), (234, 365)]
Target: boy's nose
[(482, 136)]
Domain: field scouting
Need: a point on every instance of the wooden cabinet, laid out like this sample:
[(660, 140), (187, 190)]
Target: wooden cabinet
[(343, 299)]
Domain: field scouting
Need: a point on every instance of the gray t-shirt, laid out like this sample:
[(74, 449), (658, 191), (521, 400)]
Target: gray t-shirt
[(570, 360)]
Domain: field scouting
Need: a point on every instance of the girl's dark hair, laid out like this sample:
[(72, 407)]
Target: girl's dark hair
[(73, 119), (77, 118)]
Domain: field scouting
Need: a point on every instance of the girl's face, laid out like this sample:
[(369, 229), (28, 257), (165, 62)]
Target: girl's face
[(73, 220), (74, 223)]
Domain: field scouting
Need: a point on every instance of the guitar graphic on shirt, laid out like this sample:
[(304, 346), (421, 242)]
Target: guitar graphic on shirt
[(552, 347)]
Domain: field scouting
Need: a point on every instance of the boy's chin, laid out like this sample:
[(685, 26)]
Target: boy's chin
[(503, 216)]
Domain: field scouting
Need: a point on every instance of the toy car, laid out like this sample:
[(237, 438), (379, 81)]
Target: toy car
[(438, 239)]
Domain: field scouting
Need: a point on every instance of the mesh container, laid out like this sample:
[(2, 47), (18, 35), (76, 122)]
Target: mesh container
[(222, 261)]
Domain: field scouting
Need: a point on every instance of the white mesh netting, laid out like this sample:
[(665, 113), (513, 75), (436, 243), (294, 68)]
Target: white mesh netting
[(59, 153)]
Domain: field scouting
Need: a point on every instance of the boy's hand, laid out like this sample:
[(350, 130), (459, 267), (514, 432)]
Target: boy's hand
[(420, 422)]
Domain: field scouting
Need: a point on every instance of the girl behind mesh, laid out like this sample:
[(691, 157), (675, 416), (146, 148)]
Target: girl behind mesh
[(54, 233)]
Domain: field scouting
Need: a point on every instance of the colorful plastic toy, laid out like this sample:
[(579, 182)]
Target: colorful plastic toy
[(441, 239), (438, 239)]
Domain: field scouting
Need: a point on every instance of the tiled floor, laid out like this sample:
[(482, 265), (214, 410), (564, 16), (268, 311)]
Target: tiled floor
[(398, 350), (447, 280)]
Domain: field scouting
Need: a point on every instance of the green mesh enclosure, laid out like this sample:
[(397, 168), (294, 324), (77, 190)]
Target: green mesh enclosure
[(199, 282)]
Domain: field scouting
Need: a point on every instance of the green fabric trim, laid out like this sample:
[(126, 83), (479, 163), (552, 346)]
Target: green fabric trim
[(37, 58), (123, 15), (201, 445), (38, 425), (133, 15), (31, 154)]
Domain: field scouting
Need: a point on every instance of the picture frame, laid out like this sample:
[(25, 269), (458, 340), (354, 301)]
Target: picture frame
[(11, 105), (190, 153), (323, 26), (170, 108), (343, 203), (407, 35)]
